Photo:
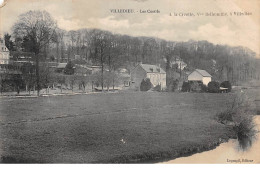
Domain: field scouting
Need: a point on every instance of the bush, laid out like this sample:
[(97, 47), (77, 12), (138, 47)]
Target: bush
[(195, 87), (185, 87), (172, 85), (157, 88), (146, 85), (226, 84), (213, 87), (240, 115), (69, 69), (203, 88)]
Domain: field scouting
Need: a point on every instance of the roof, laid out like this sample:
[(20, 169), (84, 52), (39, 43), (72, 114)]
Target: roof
[(152, 68), (61, 65), (203, 73)]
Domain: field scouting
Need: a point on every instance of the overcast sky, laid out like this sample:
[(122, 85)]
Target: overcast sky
[(76, 14)]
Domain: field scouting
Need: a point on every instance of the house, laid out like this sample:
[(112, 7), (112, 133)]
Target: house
[(60, 68), (180, 64), (200, 75), (124, 77), (4, 53), (156, 75)]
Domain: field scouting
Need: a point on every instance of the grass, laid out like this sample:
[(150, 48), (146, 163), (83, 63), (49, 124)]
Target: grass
[(110, 128), (240, 115)]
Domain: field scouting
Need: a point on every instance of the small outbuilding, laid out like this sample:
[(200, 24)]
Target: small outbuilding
[(200, 75)]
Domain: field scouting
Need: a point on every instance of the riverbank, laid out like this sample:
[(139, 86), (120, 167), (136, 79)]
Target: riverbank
[(227, 152), (234, 150)]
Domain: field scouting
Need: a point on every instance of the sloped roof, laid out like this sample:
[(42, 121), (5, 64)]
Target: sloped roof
[(203, 73), (152, 68), (61, 65)]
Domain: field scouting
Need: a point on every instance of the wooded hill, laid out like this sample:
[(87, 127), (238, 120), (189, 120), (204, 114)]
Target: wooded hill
[(98, 47)]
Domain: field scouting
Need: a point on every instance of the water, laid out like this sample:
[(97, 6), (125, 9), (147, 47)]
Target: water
[(234, 151)]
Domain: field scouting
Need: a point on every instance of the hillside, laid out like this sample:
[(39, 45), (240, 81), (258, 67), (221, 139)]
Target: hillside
[(223, 62)]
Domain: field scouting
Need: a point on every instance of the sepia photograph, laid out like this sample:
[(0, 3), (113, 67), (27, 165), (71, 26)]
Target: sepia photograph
[(130, 82)]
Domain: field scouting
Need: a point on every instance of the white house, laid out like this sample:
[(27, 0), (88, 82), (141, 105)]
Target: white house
[(200, 75), (181, 64), (156, 75), (4, 53)]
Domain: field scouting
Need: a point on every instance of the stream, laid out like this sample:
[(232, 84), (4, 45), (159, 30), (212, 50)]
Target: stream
[(232, 151)]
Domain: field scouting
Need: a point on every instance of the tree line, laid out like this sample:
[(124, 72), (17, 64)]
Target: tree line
[(36, 32)]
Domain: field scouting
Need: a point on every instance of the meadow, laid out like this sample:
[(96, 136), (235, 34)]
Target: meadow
[(126, 127)]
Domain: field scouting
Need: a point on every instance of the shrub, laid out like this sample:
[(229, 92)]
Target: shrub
[(213, 87), (146, 85), (195, 86), (240, 115), (185, 87), (172, 85), (69, 69), (226, 84), (157, 88), (203, 88)]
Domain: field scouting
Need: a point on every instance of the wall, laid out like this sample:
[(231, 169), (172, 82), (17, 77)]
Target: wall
[(206, 80), (163, 81), (4, 57), (157, 79), (137, 75)]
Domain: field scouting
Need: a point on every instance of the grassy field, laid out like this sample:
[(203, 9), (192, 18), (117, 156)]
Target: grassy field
[(110, 127)]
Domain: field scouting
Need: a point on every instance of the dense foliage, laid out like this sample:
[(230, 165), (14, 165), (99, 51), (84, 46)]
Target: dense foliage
[(185, 87), (146, 85), (114, 51), (226, 84), (195, 86), (213, 87), (69, 69), (172, 85), (157, 88)]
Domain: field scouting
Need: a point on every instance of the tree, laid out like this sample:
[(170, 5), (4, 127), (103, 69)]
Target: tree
[(185, 87), (17, 82), (226, 84), (39, 27), (28, 75), (146, 85), (100, 42), (73, 79), (195, 86), (172, 85), (60, 80), (69, 68), (8, 42), (213, 87)]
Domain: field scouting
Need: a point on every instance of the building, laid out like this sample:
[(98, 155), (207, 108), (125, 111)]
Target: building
[(61, 67), (180, 64), (124, 77), (200, 75), (156, 75), (4, 53)]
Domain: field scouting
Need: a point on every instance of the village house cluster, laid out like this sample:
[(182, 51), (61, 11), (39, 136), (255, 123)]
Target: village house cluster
[(129, 79)]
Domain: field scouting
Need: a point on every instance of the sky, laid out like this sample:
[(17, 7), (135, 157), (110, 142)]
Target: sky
[(76, 14)]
